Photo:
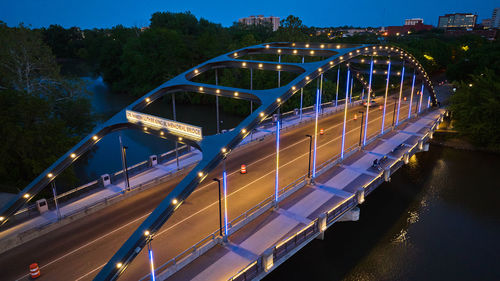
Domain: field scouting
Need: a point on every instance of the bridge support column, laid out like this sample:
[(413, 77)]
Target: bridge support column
[(387, 174), (426, 146), (360, 195), (321, 226), (406, 158), (421, 145), (351, 215), (267, 259)]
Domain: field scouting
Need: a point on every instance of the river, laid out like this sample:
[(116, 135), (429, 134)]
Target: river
[(106, 158), (438, 219)]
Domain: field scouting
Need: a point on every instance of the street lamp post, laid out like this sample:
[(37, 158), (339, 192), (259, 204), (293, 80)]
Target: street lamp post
[(337, 93), (301, 95), (386, 92), (394, 112), (54, 192), (310, 148), (361, 126), (345, 115), (368, 99), (151, 261), (400, 91), (220, 208), (176, 143), (124, 163)]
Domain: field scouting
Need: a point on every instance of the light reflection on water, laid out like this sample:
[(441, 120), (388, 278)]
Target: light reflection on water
[(105, 156), (438, 219)]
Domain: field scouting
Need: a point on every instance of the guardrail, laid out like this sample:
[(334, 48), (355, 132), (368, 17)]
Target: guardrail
[(309, 232)]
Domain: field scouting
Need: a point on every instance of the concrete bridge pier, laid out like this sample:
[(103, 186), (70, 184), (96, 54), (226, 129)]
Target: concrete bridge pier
[(421, 145), (360, 195), (351, 215), (406, 158), (267, 259), (387, 174), (321, 226)]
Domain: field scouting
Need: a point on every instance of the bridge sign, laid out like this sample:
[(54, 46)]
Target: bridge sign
[(158, 123)]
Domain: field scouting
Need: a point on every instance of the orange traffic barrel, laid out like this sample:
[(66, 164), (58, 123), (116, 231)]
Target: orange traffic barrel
[(321, 131), (355, 117), (243, 169), (381, 107), (34, 270)]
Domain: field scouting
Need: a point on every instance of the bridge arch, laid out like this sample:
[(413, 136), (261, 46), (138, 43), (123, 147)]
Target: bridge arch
[(215, 147)]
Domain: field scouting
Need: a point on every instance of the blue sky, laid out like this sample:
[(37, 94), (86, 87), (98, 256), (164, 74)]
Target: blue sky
[(107, 13)]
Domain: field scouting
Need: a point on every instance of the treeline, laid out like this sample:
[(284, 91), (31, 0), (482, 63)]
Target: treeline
[(42, 113), (44, 109)]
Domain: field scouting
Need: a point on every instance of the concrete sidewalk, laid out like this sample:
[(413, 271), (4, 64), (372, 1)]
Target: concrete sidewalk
[(332, 189), (24, 231)]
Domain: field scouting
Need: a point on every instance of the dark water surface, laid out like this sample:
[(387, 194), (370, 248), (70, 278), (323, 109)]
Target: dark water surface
[(106, 158), (438, 219)]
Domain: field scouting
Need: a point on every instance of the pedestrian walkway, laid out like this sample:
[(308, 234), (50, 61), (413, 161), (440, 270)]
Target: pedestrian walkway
[(331, 191), (17, 231)]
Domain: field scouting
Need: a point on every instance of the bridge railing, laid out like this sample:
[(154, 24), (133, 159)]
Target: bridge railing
[(182, 259)]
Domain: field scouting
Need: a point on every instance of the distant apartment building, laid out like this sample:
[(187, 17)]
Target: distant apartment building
[(260, 19), (414, 21), (495, 18), (411, 25), (457, 21), (486, 23)]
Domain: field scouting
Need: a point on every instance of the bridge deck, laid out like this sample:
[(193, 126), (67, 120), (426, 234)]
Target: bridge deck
[(334, 189)]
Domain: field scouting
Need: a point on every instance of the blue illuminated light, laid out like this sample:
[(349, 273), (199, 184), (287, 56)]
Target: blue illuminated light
[(411, 96), (337, 93), (368, 102), (151, 262), (345, 114), (421, 95), (400, 93), (276, 188), (224, 181), (316, 132), (385, 97)]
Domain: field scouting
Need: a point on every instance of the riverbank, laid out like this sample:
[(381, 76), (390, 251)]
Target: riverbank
[(446, 136)]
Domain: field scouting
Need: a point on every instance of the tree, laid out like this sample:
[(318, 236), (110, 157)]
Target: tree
[(476, 109), (41, 114)]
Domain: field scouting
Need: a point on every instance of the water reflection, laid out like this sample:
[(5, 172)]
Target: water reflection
[(438, 219)]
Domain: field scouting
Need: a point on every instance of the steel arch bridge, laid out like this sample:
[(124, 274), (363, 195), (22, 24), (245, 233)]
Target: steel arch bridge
[(214, 147)]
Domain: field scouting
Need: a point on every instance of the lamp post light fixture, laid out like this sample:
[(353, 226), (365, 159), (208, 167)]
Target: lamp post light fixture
[(220, 208), (361, 126), (394, 112), (310, 149), (124, 163)]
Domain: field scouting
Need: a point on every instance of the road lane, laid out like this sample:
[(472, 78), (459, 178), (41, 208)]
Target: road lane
[(79, 249)]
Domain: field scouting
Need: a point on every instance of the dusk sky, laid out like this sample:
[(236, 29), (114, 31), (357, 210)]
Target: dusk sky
[(99, 13)]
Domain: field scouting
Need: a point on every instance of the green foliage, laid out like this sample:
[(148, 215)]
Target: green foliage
[(41, 114), (476, 109)]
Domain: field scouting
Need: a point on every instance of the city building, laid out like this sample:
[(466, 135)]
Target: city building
[(411, 25), (458, 20), (260, 19), (414, 21), (495, 18), (486, 23)]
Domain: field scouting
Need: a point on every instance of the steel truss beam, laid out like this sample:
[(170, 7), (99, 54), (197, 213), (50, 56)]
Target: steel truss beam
[(215, 147)]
